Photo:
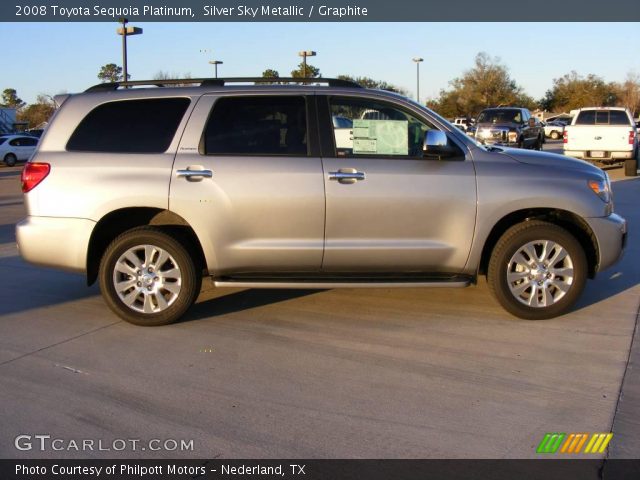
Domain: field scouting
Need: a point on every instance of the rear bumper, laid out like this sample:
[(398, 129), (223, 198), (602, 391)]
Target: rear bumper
[(611, 235), (55, 242), (585, 155)]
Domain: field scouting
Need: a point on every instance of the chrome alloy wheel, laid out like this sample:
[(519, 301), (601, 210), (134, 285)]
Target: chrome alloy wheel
[(540, 273), (147, 279)]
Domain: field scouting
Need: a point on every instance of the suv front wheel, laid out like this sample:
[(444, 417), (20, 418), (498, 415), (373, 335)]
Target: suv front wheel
[(537, 270), (148, 278)]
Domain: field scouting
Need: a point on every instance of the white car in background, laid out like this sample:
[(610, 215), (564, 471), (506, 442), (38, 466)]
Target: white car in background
[(553, 129), (17, 148)]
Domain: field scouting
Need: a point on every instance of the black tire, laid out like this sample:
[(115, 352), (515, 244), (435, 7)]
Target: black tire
[(10, 159), (500, 265), (555, 135), (189, 282), (631, 167)]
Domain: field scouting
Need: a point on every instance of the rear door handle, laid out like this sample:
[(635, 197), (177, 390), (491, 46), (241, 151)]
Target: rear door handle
[(347, 176), (194, 174)]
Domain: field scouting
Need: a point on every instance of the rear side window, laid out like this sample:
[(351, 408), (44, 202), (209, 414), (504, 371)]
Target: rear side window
[(130, 126), (23, 142), (603, 117), (274, 125)]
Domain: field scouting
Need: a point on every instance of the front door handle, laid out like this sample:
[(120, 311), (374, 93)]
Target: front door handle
[(194, 174), (347, 176)]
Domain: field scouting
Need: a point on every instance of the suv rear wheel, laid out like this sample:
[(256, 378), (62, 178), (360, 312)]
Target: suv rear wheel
[(537, 270), (148, 278)]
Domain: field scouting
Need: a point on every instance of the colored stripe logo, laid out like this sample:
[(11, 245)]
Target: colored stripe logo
[(574, 443)]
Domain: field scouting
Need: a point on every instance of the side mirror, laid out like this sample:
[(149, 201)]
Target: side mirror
[(437, 143)]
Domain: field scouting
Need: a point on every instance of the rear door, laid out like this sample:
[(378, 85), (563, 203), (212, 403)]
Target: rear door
[(248, 178), (390, 208)]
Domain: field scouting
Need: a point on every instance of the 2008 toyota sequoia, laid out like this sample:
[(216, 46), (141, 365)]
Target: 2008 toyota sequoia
[(302, 186)]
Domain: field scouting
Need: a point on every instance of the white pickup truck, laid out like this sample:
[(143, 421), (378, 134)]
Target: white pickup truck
[(603, 134)]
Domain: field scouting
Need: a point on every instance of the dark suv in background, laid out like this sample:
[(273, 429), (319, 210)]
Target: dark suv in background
[(509, 126)]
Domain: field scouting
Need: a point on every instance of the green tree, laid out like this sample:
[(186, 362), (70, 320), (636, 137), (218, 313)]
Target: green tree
[(10, 99), (311, 71), (35, 114), (487, 84), (110, 73), (628, 93), (573, 91), (367, 82), (270, 73)]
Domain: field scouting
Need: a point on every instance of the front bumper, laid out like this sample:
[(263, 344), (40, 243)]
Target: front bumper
[(55, 242), (611, 235)]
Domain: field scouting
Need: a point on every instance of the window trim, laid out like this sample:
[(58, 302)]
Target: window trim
[(313, 148)]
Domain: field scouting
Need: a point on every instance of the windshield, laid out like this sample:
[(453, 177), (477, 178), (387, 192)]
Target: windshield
[(500, 116)]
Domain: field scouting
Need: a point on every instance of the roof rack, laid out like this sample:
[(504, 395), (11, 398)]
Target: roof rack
[(220, 82)]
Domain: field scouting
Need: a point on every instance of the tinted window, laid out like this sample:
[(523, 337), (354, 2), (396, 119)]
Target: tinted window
[(28, 141), (275, 125), (603, 117), (618, 117), (500, 116), (130, 126), (19, 142)]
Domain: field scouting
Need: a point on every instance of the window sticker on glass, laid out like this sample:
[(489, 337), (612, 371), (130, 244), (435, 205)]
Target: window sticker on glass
[(382, 137)]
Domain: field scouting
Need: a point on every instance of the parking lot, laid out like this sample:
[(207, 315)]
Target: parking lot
[(380, 373)]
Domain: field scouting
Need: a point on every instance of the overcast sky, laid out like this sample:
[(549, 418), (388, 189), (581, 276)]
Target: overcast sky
[(66, 57)]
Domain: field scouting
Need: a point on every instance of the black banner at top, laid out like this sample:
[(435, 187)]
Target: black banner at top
[(320, 10)]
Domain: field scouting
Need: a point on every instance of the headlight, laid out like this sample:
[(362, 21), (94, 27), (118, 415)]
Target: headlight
[(602, 188)]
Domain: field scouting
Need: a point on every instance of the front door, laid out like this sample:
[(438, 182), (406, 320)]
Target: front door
[(389, 207)]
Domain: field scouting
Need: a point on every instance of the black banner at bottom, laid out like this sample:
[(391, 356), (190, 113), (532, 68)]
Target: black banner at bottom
[(543, 469)]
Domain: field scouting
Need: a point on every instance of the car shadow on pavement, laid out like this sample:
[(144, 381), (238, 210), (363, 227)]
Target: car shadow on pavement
[(50, 287), (243, 300), (625, 274)]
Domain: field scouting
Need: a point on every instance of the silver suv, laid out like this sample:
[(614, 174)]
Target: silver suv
[(149, 189)]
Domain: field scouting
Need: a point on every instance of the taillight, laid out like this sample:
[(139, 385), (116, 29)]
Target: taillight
[(33, 174), (565, 137), (632, 136)]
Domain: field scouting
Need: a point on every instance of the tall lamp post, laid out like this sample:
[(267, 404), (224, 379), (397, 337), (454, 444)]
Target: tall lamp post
[(418, 60), (215, 64), (125, 32), (304, 54)]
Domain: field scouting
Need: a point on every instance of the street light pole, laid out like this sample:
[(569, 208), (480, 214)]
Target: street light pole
[(418, 60), (304, 54), (125, 32), (124, 21), (215, 64)]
